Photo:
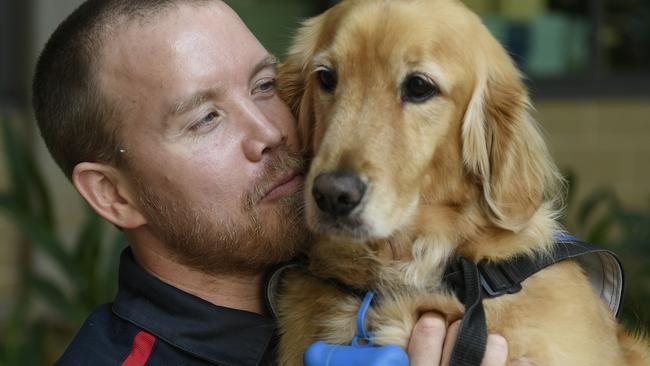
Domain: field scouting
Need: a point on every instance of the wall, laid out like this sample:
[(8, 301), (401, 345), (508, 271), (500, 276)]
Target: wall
[(603, 142)]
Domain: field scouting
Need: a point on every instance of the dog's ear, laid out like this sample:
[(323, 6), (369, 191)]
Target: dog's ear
[(294, 81), (504, 148)]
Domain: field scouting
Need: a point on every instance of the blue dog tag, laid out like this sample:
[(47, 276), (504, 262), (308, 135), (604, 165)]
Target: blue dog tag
[(357, 354), (324, 354)]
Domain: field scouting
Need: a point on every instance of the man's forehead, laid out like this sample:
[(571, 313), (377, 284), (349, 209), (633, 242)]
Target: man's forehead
[(147, 14), (185, 34), (167, 22), (186, 49)]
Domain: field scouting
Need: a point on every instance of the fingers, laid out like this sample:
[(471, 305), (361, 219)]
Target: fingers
[(432, 343), (450, 342), (523, 362), (496, 351), (425, 346)]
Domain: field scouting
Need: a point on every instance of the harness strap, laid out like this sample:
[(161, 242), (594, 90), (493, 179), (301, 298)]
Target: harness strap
[(473, 282), (274, 278), (472, 335), (497, 279), (272, 284)]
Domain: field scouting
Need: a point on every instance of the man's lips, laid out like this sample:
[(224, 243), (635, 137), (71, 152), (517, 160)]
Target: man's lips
[(286, 186)]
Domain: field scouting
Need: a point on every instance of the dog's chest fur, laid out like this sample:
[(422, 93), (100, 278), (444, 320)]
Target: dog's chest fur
[(406, 278), (312, 309)]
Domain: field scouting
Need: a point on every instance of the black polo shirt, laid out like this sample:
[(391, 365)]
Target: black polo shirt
[(152, 323)]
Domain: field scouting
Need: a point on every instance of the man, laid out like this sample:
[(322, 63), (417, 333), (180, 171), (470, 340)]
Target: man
[(164, 116)]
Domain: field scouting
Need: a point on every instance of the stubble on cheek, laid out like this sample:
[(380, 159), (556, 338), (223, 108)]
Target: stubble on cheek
[(242, 242), (283, 162)]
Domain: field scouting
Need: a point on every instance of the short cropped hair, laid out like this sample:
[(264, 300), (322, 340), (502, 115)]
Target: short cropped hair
[(77, 120)]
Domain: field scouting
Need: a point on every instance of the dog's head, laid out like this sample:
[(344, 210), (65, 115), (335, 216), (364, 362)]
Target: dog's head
[(407, 104)]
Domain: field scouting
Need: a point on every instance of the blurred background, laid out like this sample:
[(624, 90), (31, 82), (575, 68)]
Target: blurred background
[(588, 69)]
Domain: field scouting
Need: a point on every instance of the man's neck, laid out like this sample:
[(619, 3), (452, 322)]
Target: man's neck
[(242, 292)]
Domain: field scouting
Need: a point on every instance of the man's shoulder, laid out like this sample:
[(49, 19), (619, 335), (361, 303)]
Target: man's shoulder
[(107, 339), (104, 339)]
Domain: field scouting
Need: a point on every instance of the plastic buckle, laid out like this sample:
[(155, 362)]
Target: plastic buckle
[(493, 290)]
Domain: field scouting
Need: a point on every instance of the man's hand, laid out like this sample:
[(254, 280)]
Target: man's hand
[(432, 342)]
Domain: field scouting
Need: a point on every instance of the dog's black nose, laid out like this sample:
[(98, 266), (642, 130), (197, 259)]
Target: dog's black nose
[(339, 192)]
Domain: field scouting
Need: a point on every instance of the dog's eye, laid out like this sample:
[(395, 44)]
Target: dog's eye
[(417, 89), (327, 79)]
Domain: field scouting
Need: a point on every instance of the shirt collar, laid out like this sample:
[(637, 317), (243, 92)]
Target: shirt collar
[(210, 332)]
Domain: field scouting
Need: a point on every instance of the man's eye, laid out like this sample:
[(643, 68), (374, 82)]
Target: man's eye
[(266, 86), (205, 122)]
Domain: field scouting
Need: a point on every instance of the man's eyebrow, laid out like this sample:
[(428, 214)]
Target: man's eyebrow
[(268, 61), (187, 104)]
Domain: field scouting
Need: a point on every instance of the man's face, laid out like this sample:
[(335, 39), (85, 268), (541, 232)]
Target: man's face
[(211, 149)]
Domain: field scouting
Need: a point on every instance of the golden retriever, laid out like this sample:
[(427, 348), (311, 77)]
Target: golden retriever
[(417, 117)]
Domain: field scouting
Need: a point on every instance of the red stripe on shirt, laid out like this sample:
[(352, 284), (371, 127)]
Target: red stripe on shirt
[(141, 350)]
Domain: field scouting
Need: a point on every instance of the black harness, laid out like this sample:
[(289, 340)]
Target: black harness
[(473, 282)]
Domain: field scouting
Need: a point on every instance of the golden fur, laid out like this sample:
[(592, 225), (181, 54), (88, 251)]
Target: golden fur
[(464, 173)]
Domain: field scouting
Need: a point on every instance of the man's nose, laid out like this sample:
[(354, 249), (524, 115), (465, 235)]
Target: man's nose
[(262, 134)]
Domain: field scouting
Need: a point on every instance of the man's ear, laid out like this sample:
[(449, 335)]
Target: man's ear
[(109, 193)]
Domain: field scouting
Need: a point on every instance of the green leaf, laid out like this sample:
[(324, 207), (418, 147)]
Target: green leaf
[(34, 350), (54, 295), (23, 339), (15, 152), (599, 233), (587, 210), (87, 254), (39, 194), (27, 185), (636, 230), (6, 202), (16, 333), (42, 236), (89, 241), (111, 268)]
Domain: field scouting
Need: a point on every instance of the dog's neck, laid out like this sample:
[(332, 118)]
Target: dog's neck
[(418, 258)]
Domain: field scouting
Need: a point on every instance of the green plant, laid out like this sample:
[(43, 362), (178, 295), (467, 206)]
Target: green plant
[(602, 219), (88, 265)]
